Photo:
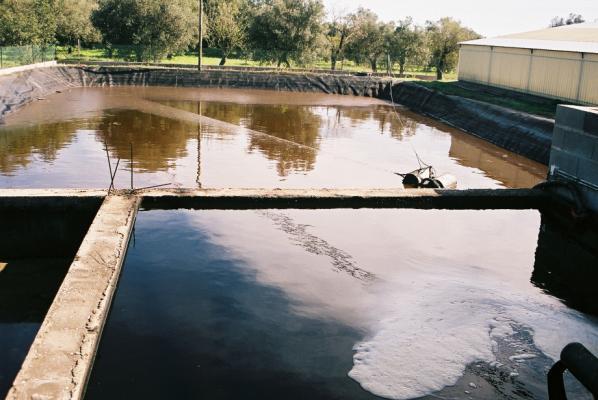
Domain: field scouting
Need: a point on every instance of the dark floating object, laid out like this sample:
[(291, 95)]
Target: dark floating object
[(426, 178), (582, 364), (446, 181)]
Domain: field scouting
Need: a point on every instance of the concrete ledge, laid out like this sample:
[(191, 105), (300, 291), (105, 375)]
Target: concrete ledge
[(344, 198), (301, 198), (21, 68), (62, 355), (40, 193)]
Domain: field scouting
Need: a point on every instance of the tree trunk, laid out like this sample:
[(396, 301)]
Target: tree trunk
[(438, 73), (333, 61), (374, 65), (401, 69), (222, 60)]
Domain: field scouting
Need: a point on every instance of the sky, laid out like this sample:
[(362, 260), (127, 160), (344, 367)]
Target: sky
[(489, 18)]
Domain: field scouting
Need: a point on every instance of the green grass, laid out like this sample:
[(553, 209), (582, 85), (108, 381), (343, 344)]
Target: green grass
[(501, 97), (100, 54)]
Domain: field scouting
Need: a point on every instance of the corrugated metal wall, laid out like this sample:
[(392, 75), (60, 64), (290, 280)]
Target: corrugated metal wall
[(558, 74)]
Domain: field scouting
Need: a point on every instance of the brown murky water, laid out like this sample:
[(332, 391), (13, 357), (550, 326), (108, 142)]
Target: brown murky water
[(238, 138)]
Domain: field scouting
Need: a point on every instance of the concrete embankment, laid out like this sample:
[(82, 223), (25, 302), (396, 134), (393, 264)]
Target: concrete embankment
[(515, 131)]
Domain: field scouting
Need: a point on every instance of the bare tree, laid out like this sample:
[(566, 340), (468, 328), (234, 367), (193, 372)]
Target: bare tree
[(340, 29), (570, 20)]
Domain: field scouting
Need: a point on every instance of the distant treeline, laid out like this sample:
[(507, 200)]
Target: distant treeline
[(282, 32)]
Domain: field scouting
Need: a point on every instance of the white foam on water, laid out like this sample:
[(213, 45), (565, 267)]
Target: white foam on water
[(439, 328), (435, 305)]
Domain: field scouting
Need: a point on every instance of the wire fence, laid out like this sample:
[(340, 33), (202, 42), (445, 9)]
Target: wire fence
[(15, 56), (126, 54)]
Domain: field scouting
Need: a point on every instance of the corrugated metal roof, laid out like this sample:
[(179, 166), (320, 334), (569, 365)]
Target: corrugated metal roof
[(578, 38)]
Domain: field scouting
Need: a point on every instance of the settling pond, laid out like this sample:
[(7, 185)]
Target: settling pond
[(341, 304), (246, 138), (345, 304)]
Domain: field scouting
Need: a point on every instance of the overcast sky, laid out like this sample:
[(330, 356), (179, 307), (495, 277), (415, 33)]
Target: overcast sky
[(489, 18)]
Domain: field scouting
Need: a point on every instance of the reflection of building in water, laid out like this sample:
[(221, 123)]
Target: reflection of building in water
[(18, 144), (512, 170), (567, 262), (157, 141)]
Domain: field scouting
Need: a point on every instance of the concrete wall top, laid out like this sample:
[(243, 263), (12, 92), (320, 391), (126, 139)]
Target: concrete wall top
[(578, 117), (21, 68)]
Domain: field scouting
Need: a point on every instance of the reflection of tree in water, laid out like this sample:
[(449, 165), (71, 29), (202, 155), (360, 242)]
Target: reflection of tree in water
[(297, 124), (292, 123), (157, 141), (399, 126), (228, 112), (18, 144)]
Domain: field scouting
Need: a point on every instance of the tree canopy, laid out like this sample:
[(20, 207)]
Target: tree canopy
[(227, 25), (154, 27), (283, 32), (443, 37), (286, 30), (370, 39), (24, 22), (570, 20)]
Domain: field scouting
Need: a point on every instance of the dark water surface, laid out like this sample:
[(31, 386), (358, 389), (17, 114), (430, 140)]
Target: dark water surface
[(338, 304), (37, 246), (27, 288), (245, 138)]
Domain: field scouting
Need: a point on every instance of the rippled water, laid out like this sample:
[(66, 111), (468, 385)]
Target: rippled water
[(338, 304), (238, 138)]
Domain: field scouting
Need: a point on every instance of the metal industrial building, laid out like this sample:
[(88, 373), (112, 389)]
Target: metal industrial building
[(555, 62)]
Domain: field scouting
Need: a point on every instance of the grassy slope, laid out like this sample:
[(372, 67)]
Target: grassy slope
[(514, 100)]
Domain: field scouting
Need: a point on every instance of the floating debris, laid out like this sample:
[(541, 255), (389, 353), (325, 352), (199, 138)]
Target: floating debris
[(425, 177)]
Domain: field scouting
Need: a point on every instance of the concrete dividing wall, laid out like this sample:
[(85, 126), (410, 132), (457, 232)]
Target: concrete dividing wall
[(558, 74), (515, 131), (574, 154)]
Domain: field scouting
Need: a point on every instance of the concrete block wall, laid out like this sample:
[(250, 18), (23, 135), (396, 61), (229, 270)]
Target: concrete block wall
[(574, 153)]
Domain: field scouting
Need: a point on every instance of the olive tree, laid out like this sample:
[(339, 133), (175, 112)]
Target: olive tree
[(227, 26), (286, 30), (406, 43), (154, 27), (339, 31), (25, 22), (74, 22), (444, 37), (370, 39)]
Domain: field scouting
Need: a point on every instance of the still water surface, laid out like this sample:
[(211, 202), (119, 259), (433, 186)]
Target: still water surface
[(337, 304), (238, 138)]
